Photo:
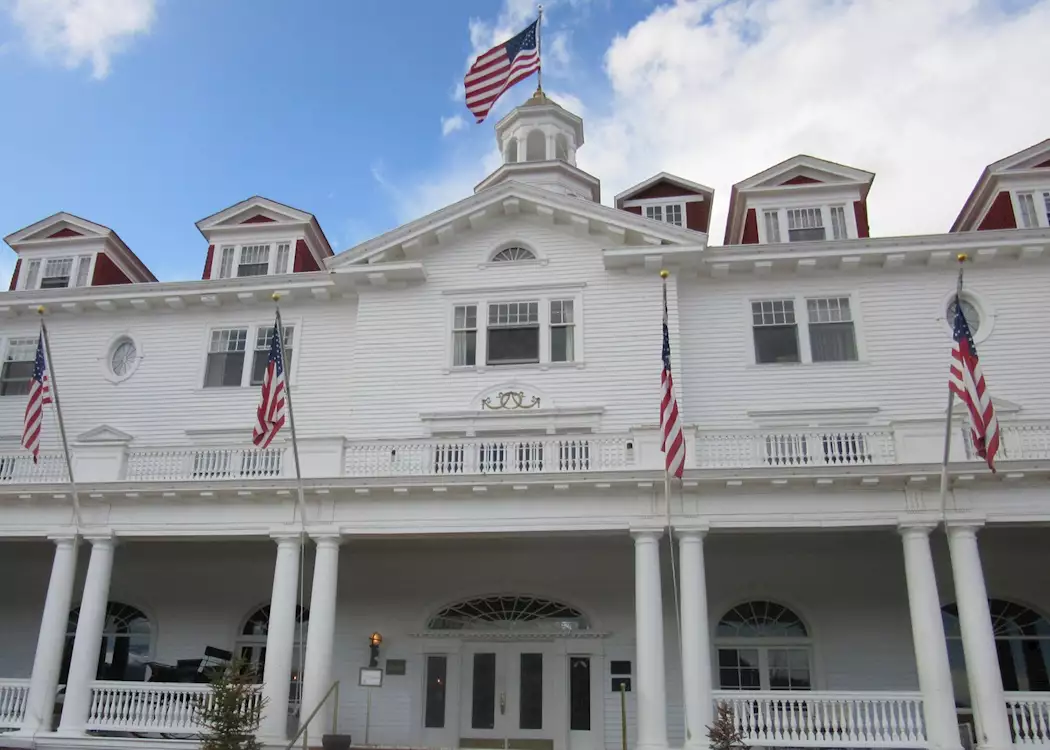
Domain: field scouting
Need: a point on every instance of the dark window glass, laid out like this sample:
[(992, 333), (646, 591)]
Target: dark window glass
[(530, 707), (483, 708), (580, 693), (513, 345), (806, 235), (434, 715), (620, 667), (224, 368), (14, 378), (54, 282), (776, 344)]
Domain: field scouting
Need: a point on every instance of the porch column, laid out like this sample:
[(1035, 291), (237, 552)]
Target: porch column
[(978, 640), (650, 688), (83, 666), (696, 646), (317, 670), (280, 641), (927, 628), (47, 663)]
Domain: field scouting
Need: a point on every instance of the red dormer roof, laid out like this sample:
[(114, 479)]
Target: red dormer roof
[(798, 175), (988, 205)]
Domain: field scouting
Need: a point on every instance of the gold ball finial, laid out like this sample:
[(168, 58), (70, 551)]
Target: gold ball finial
[(275, 296), (962, 257), (664, 273), (40, 310)]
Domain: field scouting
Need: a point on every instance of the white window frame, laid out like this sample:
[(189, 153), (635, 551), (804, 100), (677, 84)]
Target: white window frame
[(659, 211), (801, 303), (253, 329), (1040, 202), (543, 296), (26, 283), (238, 254), (29, 340), (782, 207)]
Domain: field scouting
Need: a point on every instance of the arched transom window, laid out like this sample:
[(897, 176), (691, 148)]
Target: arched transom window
[(126, 639), (1022, 642), (513, 254), (509, 613), (251, 644), (763, 646)]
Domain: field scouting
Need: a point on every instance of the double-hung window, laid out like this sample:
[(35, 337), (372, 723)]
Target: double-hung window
[(562, 331), (465, 336), (838, 223), (671, 213), (225, 357), (828, 335), (226, 262), (254, 261), (56, 273), (1034, 208), (513, 333), (83, 267), (17, 370), (772, 219), (805, 224), (261, 357)]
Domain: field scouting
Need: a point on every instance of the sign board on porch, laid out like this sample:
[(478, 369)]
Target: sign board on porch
[(370, 677)]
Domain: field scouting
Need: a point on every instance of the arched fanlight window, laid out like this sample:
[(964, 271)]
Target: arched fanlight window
[(511, 612), (251, 644), (763, 646), (124, 654), (1022, 642), (512, 254)]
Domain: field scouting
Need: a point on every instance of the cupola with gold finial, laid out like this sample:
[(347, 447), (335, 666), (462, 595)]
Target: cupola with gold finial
[(538, 141)]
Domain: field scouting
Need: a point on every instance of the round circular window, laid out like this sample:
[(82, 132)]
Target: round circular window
[(123, 357), (970, 312)]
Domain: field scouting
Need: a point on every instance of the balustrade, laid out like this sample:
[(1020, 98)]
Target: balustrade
[(13, 694), (742, 449), (16, 468), (828, 719), (204, 464), (1029, 715), (151, 707)]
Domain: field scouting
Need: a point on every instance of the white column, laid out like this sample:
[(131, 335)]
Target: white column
[(927, 628), (83, 666), (975, 622), (521, 146), (317, 671), (280, 640), (650, 689), (47, 663), (696, 646)]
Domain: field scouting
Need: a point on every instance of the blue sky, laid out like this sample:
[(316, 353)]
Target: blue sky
[(147, 115)]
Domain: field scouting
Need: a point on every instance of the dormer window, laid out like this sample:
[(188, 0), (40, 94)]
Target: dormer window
[(253, 260), (809, 224), (57, 273), (1034, 209), (670, 213), (805, 225)]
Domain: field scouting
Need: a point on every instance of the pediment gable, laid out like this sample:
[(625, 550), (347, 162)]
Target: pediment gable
[(255, 210), (58, 226), (661, 185), (805, 170), (104, 434), (616, 228), (1033, 157)]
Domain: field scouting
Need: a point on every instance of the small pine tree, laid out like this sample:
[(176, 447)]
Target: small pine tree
[(230, 716), (722, 734)]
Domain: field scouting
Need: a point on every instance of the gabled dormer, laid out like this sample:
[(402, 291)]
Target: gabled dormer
[(1012, 193), (261, 237), (803, 199), (64, 251), (670, 199)]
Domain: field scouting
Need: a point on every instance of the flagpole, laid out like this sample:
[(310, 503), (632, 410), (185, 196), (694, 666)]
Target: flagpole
[(539, 50), (279, 332), (670, 539), (962, 258), (53, 380)]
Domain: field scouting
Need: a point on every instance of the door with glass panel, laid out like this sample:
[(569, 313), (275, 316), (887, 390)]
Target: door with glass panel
[(507, 697)]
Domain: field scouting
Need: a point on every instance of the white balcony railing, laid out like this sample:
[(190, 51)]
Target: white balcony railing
[(1029, 715), (452, 457), (204, 463), (13, 694), (828, 719), (863, 446), (1019, 442), (18, 467), (150, 706)]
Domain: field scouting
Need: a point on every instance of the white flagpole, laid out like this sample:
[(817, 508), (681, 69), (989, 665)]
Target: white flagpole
[(539, 50), (962, 258), (53, 387)]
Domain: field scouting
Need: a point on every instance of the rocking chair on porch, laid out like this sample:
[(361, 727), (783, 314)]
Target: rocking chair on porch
[(192, 670)]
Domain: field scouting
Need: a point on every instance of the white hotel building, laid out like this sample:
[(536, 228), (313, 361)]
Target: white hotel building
[(476, 400)]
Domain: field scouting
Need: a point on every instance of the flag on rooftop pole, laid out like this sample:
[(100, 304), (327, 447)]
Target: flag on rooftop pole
[(673, 443), (495, 71), (39, 394), (271, 412)]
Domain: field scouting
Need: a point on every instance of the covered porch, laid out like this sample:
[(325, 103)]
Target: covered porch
[(525, 641)]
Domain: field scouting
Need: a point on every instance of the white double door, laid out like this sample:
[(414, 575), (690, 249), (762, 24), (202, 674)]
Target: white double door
[(512, 696)]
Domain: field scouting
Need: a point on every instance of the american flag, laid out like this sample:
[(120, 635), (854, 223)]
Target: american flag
[(673, 444), (272, 403), (967, 382), (500, 68), (39, 394)]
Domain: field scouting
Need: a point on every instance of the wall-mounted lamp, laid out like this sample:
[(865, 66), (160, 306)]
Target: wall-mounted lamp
[(374, 641)]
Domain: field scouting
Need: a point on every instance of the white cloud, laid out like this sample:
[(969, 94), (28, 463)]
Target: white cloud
[(83, 31), (924, 94), (452, 124)]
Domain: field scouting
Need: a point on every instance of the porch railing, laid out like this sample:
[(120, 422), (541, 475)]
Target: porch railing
[(13, 694), (1020, 442), (862, 446), (812, 719), (451, 457), (18, 467), (1029, 715), (204, 463), (149, 706)]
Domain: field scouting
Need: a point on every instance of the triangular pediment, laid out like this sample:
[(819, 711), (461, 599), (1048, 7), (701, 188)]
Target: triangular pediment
[(661, 185), (1033, 157), (56, 227), (804, 170), (1001, 406), (104, 434), (614, 227), (255, 210)]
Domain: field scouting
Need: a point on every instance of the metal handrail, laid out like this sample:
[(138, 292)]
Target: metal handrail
[(305, 724)]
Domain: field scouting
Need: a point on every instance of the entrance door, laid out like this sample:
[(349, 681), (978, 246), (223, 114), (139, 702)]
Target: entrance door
[(508, 701)]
